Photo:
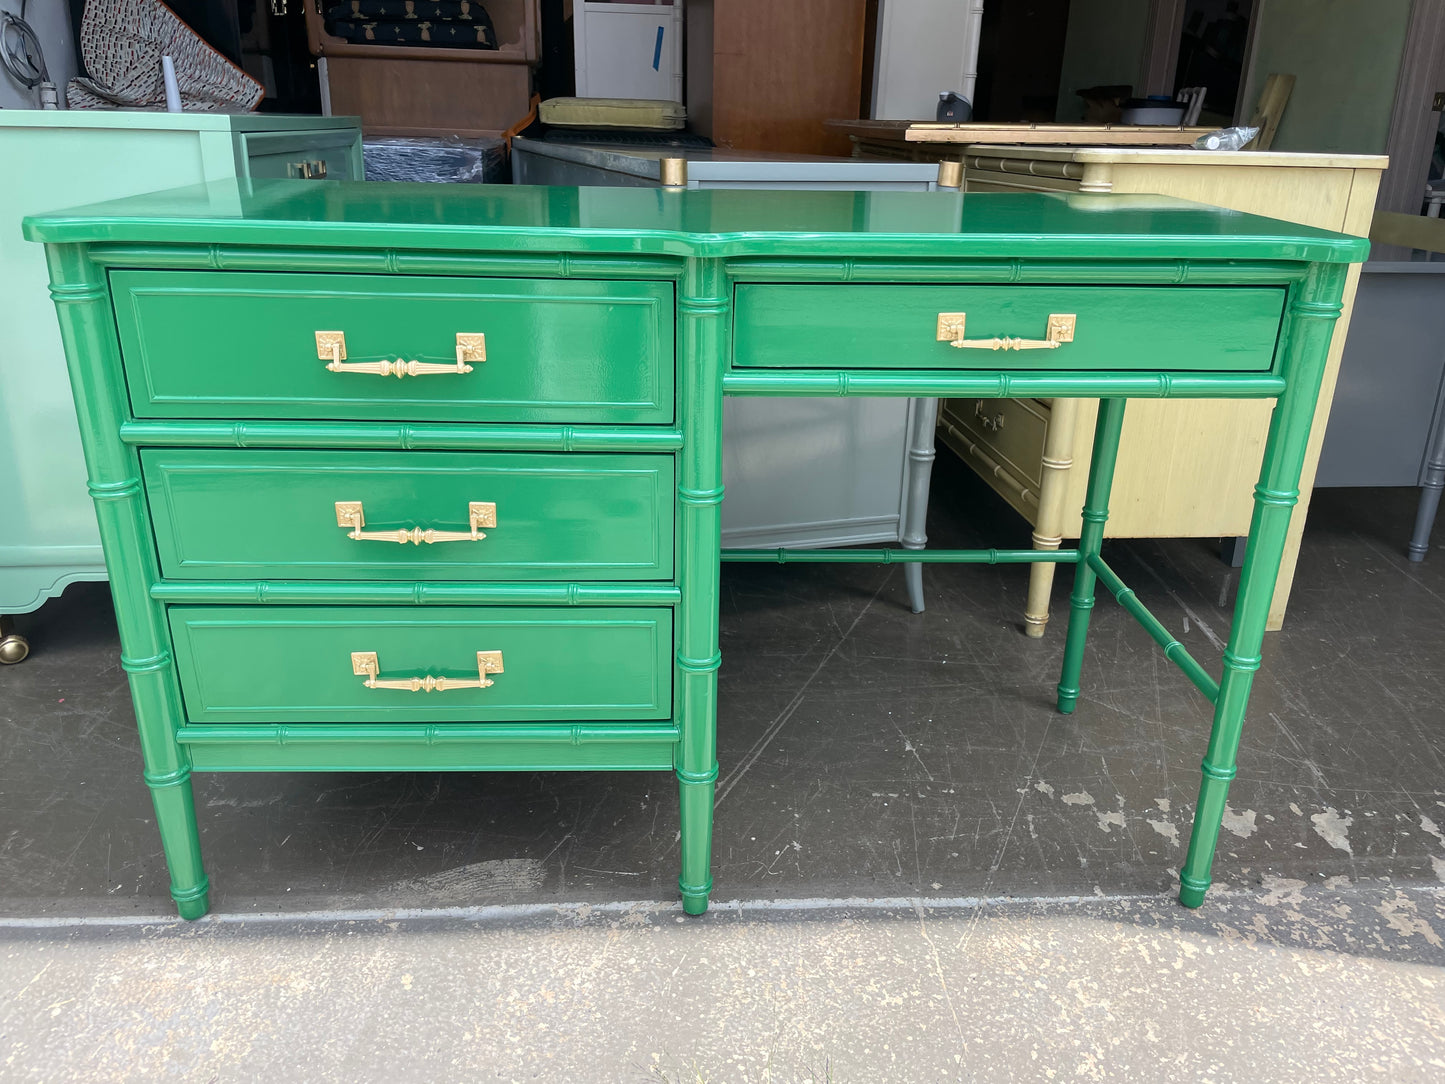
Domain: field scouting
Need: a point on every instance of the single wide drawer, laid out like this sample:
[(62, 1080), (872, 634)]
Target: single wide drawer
[(223, 344), (848, 326), (242, 664), (264, 514)]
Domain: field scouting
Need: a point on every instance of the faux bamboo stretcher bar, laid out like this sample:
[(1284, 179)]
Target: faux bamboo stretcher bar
[(615, 322)]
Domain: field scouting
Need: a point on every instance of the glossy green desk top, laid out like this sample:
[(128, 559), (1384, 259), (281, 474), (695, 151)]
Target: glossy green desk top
[(707, 223)]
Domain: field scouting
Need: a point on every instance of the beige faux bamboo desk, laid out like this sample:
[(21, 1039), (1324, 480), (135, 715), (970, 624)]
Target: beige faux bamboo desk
[(1185, 466)]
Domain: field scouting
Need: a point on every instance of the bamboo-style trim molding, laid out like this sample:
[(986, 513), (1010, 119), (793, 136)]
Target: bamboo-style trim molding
[(1031, 167), (418, 593), (1002, 385), (988, 270), (383, 261), (424, 733), (434, 437)]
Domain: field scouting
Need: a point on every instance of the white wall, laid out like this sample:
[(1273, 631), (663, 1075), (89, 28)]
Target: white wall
[(50, 19), (925, 47)]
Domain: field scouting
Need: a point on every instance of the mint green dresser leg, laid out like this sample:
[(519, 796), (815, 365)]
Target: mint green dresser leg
[(82, 303), (1312, 314), (705, 309), (1091, 539)]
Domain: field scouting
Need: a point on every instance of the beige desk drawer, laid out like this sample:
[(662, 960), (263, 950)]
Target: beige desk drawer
[(1011, 432)]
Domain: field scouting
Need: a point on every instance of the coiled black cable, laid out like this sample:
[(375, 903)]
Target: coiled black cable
[(20, 50)]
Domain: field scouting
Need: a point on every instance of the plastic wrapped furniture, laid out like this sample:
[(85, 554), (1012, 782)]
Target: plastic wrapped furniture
[(435, 158)]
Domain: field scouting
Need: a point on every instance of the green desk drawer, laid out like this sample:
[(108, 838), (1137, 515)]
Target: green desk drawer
[(263, 514), (225, 344), (850, 326), (250, 664)]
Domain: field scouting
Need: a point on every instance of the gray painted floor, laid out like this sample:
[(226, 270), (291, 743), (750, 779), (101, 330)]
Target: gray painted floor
[(865, 753)]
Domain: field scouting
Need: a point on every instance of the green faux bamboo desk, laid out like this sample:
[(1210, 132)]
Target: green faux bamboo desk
[(428, 477)]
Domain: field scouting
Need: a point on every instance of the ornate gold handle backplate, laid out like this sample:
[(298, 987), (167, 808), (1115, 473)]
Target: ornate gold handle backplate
[(331, 348), (1060, 331), (479, 514), (364, 664)]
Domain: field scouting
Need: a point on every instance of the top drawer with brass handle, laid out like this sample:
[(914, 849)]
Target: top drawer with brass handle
[(836, 326), (231, 344)]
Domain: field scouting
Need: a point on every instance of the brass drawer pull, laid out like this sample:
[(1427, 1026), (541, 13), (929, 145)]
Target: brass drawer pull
[(364, 664), (1060, 331), (988, 421), (331, 348), (479, 514)]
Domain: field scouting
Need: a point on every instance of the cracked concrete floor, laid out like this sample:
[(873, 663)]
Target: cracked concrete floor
[(1293, 983), (866, 753)]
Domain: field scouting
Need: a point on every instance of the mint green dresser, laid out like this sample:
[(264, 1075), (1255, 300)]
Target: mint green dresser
[(417, 477), (63, 157)]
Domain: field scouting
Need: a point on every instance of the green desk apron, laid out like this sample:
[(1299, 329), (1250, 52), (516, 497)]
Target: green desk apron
[(562, 354)]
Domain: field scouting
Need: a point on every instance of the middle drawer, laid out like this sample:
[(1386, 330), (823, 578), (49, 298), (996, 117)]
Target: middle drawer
[(273, 514)]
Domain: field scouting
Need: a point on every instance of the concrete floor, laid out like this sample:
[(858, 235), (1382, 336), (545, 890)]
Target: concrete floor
[(1291, 984), (866, 754)]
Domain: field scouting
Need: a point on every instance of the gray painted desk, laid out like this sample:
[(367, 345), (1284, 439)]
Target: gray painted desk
[(799, 473), (1387, 425)]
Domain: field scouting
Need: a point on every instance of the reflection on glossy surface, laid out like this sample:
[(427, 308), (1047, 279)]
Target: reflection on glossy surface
[(557, 351), (293, 664), (653, 218), (263, 513)]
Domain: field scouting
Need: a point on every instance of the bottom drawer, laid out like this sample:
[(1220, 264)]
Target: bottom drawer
[(256, 664)]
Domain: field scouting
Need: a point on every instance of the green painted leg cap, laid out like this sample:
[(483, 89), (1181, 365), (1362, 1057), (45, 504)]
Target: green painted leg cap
[(196, 908), (1192, 895)]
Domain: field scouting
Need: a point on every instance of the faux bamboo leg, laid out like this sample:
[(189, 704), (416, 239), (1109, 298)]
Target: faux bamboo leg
[(705, 315), (1432, 484), (86, 326), (1091, 537), (923, 420), (13, 646), (175, 807), (1307, 333), (1049, 526)]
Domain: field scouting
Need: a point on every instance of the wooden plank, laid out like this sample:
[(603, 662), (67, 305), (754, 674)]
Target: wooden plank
[(1411, 231), (1267, 114), (775, 72), (1185, 156), (1092, 134), (429, 97)]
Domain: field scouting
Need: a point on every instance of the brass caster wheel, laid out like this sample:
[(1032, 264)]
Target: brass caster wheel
[(13, 648)]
